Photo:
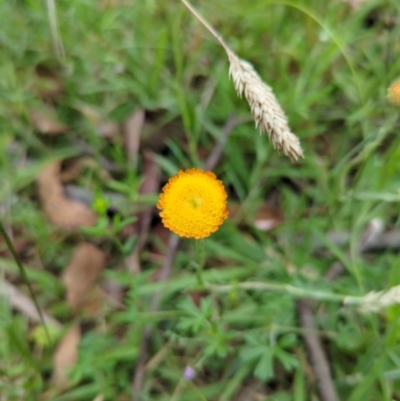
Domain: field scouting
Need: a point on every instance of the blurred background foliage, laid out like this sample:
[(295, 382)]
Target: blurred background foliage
[(330, 65)]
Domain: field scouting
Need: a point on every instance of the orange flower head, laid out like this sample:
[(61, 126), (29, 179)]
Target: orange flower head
[(193, 203), (393, 94)]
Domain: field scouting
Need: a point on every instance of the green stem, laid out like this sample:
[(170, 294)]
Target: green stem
[(24, 275), (201, 257), (290, 289)]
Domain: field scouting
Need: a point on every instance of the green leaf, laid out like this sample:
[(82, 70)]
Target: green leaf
[(120, 225), (288, 360), (264, 369), (287, 340), (251, 353)]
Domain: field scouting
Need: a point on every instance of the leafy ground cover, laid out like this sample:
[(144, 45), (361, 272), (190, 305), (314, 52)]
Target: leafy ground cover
[(95, 116)]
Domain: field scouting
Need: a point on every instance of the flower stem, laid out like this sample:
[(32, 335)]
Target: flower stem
[(207, 25), (201, 257)]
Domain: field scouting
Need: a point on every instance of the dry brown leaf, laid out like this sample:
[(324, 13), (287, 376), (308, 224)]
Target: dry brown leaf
[(84, 269), (61, 211), (133, 128), (25, 305), (46, 122), (66, 355)]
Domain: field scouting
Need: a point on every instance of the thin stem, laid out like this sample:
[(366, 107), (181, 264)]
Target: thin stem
[(201, 257), (207, 25), (290, 289), (24, 275), (55, 32)]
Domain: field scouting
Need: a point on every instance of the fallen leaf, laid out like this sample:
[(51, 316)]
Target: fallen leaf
[(132, 129), (46, 123), (25, 305), (66, 355), (84, 269), (60, 210)]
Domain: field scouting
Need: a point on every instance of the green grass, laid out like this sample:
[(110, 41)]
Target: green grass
[(330, 69)]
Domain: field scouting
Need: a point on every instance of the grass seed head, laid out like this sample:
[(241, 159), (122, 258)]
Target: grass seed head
[(267, 112)]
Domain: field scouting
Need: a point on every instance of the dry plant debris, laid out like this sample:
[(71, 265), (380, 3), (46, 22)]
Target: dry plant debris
[(60, 210), (82, 272), (25, 305), (46, 123), (375, 301), (84, 269), (267, 112), (66, 355), (133, 128)]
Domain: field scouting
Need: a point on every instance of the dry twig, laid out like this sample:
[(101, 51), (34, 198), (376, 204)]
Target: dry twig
[(319, 362)]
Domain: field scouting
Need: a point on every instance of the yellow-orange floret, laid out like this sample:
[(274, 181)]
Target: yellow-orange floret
[(193, 203), (393, 94)]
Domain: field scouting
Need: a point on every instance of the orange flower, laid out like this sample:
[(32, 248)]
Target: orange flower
[(193, 203), (393, 94)]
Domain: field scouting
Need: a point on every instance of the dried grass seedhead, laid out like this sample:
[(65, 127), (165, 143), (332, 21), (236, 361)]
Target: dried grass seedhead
[(375, 301), (267, 112)]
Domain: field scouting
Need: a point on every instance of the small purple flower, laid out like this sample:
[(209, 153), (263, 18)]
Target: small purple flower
[(189, 373)]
